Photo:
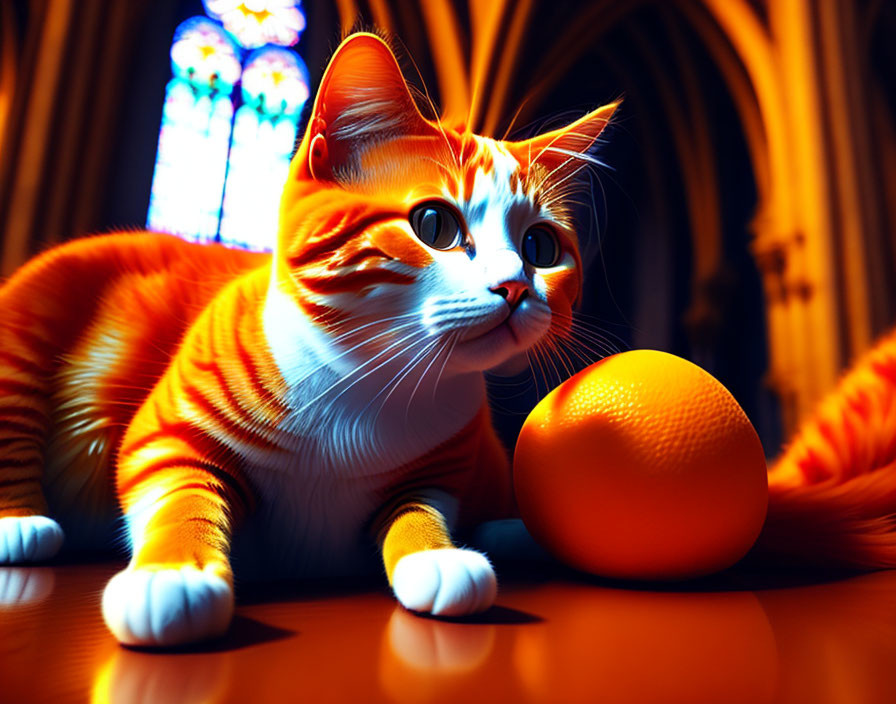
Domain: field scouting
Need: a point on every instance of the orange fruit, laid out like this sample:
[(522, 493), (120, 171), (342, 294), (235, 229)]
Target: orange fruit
[(642, 466)]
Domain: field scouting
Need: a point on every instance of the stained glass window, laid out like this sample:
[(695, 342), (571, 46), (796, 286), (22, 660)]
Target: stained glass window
[(258, 22), (223, 154), (274, 89)]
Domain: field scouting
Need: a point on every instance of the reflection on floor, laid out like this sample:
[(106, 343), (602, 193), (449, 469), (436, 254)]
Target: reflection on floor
[(554, 637)]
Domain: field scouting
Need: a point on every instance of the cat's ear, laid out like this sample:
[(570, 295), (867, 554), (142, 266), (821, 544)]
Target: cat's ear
[(363, 98), (563, 151)]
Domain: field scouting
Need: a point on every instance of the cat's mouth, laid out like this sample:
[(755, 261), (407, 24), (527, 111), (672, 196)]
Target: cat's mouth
[(503, 327), (497, 336), (488, 346), (494, 323)]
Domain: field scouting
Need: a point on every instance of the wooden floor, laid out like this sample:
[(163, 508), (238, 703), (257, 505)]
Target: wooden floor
[(554, 637)]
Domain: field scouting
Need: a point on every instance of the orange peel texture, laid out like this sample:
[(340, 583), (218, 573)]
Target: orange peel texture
[(642, 466)]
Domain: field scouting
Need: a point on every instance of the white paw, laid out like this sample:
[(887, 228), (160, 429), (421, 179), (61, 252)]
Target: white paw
[(447, 582), (167, 606), (28, 539), (20, 586)]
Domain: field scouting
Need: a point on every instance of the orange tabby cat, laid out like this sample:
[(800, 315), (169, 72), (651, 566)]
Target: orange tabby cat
[(832, 493), (282, 413)]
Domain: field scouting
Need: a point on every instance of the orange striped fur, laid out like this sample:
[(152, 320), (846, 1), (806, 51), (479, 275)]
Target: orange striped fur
[(282, 411), (832, 493), (87, 332)]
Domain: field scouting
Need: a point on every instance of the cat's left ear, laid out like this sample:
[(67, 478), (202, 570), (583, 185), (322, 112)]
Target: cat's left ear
[(558, 150), (363, 98)]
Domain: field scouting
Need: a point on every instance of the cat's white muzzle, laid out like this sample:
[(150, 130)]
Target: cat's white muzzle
[(506, 335)]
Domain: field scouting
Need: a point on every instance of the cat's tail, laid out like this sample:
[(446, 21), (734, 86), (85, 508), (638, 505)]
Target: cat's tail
[(832, 494)]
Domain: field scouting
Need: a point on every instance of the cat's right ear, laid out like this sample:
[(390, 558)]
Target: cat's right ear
[(363, 99)]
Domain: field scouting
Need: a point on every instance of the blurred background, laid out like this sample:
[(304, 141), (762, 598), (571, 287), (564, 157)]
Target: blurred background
[(746, 218)]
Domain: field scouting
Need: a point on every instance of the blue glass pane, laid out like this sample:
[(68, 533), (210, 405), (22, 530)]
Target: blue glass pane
[(204, 54), (259, 165), (275, 81), (191, 162), (198, 132)]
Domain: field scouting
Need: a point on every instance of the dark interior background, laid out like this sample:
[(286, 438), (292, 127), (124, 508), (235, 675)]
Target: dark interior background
[(639, 220), (639, 289)]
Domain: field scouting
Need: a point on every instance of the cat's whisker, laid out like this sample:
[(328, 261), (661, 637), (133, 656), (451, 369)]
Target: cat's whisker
[(553, 377), (348, 376), (550, 358), (341, 337), (380, 321), (569, 368), (571, 156), (575, 348), (587, 354), (593, 350), (597, 344), (565, 352), (556, 184), (448, 173), (498, 381), (544, 149), (519, 387), (598, 227), (405, 342), (435, 112), (593, 323), (498, 403), (514, 118), (561, 189), (592, 177), (530, 357), (580, 155), (329, 361), (452, 342), (581, 355), (578, 324), (393, 384), (542, 370), (559, 362), (425, 372), (561, 356), (596, 338), (450, 147)]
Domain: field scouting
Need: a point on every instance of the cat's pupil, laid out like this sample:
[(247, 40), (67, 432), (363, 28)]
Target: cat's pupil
[(540, 247), (436, 226)]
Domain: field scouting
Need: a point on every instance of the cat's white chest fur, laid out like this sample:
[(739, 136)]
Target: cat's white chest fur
[(338, 446)]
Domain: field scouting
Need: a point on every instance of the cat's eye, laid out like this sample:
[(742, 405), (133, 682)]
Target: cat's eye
[(540, 247), (436, 225)]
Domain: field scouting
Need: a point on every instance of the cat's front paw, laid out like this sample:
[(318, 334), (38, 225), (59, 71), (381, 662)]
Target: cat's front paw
[(167, 606), (28, 539), (445, 582), (21, 586)]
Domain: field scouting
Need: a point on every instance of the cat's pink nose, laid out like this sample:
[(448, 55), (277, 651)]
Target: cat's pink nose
[(512, 291)]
